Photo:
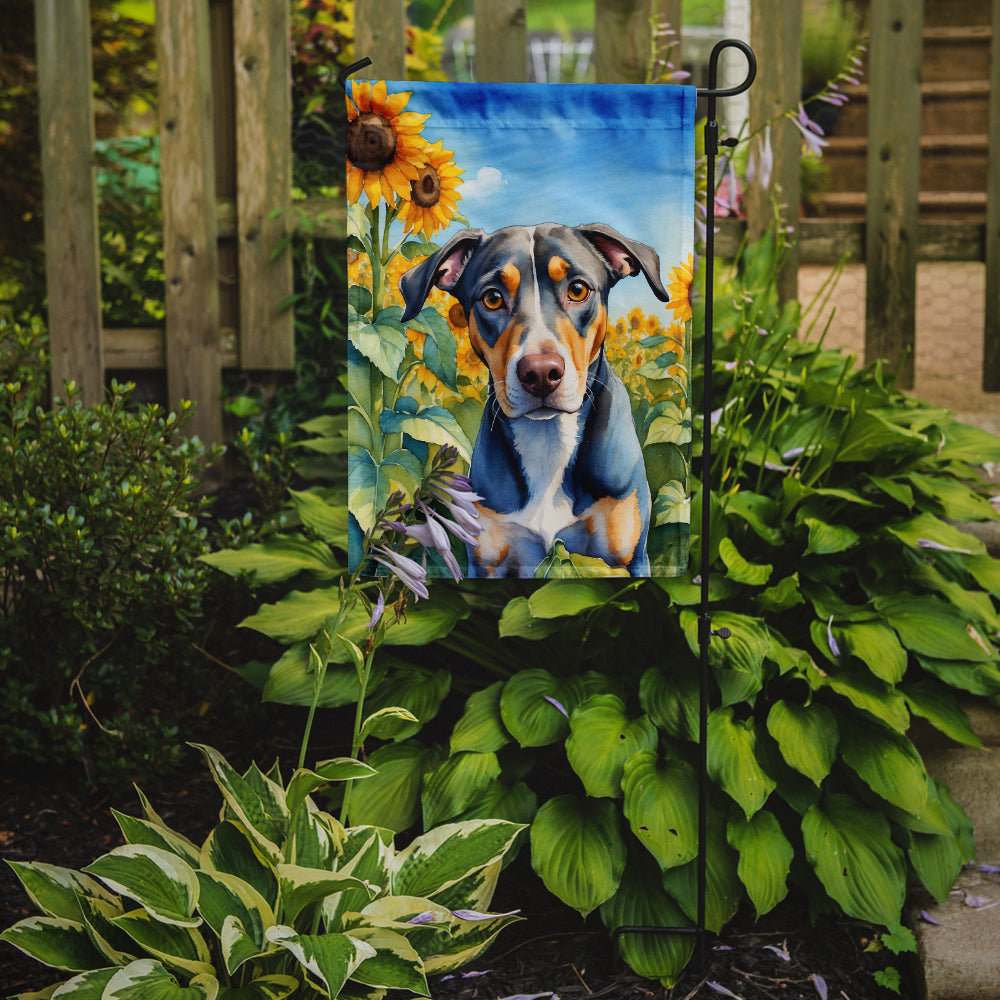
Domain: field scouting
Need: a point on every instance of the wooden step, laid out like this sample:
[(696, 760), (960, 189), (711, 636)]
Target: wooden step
[(956, 206), (945, 106), (956, 53), (941, 13)]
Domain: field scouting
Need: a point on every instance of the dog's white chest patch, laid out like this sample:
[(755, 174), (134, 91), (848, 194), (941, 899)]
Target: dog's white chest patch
[(545, 448)]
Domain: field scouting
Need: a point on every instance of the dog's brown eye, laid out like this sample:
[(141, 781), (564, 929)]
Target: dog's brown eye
[(493, 300), (577, 290)]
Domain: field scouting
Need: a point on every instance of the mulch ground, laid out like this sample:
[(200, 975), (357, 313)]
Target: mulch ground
[(550, 953)]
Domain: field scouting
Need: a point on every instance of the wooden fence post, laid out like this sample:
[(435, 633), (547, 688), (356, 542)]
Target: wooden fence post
[(991, 332), (776, 34), (501, 41), (380, 34), (623, 37), (190, 250), (72, 254), (893, 183), (261, 57)]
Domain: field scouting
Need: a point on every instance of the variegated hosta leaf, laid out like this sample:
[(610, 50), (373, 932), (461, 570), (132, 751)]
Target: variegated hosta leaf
[(86, 986), (275, 987), (256, 801), (578, 851), (230, 849), (367, 854), (765, 858), (301, 887), (475, 891), (456, 784), (54, 941), (807, 736), (395, 964), (225, 897), (441, 857), (661, 801), (304, 782), (467, 940), (481, 727), (642, 902), (329, 959), (141, 831), (732, 760), (98, 915), (602, 737), (315, 838), (850, 847), (149, 980), (158, 880), (177, 947), (56, 891)]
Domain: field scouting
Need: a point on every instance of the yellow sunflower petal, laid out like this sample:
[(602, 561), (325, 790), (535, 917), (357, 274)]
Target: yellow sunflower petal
[(398, 180), (395, 104), (373, 186), (378, 98), (408, 123), (362, 94), (355, 184), (387, 191)]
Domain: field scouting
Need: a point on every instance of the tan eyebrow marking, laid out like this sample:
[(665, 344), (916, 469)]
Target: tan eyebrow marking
[(511, 278), (558, 268)]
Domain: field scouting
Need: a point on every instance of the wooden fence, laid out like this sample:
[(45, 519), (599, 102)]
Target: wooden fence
[(226, 161)]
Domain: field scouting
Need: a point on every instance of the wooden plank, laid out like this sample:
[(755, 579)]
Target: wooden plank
[(72, 256), (501, 38), (190, 252), (380, 34), (144, 348), (776, 35), (991, 332), (262, 61), (893, 184)]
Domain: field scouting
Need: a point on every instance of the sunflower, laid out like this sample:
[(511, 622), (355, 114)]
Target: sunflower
[(433, 195), (384, 148), (680, 290)]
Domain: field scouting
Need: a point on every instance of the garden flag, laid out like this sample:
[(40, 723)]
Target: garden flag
[(520, 263)]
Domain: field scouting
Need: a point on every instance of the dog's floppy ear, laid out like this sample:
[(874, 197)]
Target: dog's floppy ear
[(626, 256), (443, 269)]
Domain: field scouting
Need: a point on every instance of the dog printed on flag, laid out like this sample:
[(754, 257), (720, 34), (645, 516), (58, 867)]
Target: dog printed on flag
[(520, 261)]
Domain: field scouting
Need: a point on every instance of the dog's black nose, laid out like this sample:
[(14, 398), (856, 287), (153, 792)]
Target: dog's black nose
[(540, 374)]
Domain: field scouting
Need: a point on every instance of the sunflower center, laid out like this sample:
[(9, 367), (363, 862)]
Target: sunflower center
[(371, 142), (426, 189)]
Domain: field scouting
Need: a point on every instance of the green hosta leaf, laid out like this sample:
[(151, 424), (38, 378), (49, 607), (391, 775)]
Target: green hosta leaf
[(395, 964), (562, 598), (941, 709), (535, 706), (957, 501), (765, 858), (760, 512), (301, 887), (807, 736), (391, 798), (641, 901), (865, 692), (440, 858), (965, 443), (578, 851), (976, 678), (986, 572), (230, 849), (738, 661), (330, 959), (386, 723), (481, 728), (850, 847), (876, 645), (327, 520), (164, 885), (142, 831), (417, 690), (304, 782), (515, 803), (870, 436), (723, 889), (732, 760), (932, 628), (661, 800), (602, 738), (828, 539), (671, 700), (261, 809), (147, 979), (783, 595), (279, 558), (927, 528), (54, 941), (517, 620), (180, 948), (937, 859), (738, 569), (888, 763), (275, 987), (56, 891), (456, 784)]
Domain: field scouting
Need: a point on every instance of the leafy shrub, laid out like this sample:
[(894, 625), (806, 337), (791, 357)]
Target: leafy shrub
[(279, 899), (854, 604), (99, 539)]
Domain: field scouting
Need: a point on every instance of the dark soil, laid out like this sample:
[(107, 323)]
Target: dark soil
[(551, 952)]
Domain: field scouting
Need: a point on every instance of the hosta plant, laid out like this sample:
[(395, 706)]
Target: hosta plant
[(279, 900)]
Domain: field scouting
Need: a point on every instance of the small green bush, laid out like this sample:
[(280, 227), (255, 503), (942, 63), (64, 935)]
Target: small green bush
[(99, 580)]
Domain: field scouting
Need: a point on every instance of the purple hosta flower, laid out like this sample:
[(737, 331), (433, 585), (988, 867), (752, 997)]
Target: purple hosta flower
[(761, 163), (719, 988), (427, 917), (377, 612), (558, 705), (834, 648), (927, 918), (927, 543), (475, 915), (820, 983), (780, 952), (465, 975), (411, 574), (812, 134), (431, 535), (460, 532), (989, 869), (728, 195)]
